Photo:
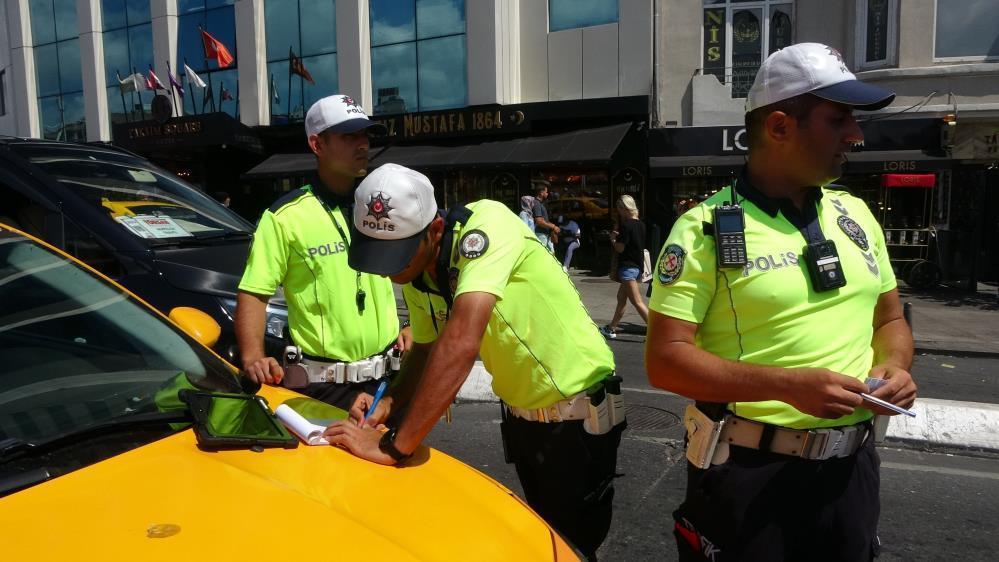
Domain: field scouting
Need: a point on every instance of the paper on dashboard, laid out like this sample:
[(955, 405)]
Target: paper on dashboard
[(307, 431)]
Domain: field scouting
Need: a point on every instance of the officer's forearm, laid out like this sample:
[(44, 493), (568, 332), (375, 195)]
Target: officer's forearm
[(251, 314), (892, 340), (892, 344), (447, 368)]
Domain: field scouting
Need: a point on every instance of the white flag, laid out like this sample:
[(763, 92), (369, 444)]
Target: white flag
[(193, 77), (132, 83)]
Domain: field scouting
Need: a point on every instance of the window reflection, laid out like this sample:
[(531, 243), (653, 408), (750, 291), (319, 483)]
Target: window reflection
[(58, 75), (128, 48), (307, 28), (418, 55), (571, 14), (218, 18), (393, 77), (441, 67)]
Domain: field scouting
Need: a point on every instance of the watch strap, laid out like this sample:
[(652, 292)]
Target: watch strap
[(387, 445)]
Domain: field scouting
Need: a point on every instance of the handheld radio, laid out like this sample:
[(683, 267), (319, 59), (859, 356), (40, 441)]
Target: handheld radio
[(730, 234)]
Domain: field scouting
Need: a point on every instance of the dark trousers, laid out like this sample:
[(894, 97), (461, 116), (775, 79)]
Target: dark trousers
[(339, 395), (766, 506), (567, 475)]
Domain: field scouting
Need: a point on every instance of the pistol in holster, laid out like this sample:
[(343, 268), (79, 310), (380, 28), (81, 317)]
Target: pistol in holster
[(704, 429)]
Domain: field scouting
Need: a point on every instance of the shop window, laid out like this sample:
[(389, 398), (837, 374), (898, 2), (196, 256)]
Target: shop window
[(966, 30), (57, 69), (739, 35), (877, 33), (418, 55), (128, 48), (218, 18), (307, 30), (572, 14)]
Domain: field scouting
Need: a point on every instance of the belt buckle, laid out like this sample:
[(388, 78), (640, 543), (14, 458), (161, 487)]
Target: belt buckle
[(835, 443), (815, 444)]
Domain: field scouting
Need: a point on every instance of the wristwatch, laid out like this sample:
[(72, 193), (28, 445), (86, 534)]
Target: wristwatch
[(387, 446)]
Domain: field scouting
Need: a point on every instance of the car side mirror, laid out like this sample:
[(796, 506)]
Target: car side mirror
[(197, 324)]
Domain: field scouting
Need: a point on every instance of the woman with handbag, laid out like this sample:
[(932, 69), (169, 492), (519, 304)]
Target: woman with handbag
[(629, 248)]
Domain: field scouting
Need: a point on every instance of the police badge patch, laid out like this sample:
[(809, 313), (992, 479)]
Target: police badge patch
[(670, 264), (853, 230), (473, 244)]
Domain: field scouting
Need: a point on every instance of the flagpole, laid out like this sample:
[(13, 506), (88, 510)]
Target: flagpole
[(190, 89), (291, 53), (142, 107), (172, 96), (236, 101), (207, 70), (122, 92)]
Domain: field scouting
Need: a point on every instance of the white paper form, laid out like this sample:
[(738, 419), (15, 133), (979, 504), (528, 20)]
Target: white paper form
[(307, 431)]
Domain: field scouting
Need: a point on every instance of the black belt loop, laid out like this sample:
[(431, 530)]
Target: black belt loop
[(767, 436)]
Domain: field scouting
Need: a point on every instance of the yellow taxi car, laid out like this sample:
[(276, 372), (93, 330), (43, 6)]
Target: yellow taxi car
[(97, 461)]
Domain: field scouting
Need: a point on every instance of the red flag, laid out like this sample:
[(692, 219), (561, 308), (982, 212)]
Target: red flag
[(214, 49), (226, 94), (152, 82), (295, 66)]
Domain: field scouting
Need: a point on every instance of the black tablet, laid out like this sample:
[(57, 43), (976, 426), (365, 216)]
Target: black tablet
[(235, 421)]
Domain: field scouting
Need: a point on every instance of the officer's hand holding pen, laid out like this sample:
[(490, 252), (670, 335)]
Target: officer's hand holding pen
[(363, 403), (899, 389), (821, 392), (263, 370)]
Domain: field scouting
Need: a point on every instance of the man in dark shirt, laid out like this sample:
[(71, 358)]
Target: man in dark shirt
[(544, 229)]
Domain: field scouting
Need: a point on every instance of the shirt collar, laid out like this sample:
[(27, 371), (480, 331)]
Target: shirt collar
[(328, 196), (772, 205)]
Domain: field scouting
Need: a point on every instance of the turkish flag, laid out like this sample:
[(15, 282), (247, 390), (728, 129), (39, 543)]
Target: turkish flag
[(214, 49)]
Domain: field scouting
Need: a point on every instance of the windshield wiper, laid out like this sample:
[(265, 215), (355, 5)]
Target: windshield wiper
[(12, 448)]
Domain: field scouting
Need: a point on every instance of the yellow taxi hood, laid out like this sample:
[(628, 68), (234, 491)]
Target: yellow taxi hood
[(170, 501)]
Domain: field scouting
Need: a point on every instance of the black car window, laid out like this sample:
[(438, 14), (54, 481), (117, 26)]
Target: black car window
[(79, 351), (142, 199)]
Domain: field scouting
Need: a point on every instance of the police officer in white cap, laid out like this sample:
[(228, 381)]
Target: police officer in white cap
[(342, 323), (479, 282), (773, 303)]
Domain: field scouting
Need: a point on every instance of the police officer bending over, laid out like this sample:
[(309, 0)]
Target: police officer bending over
[(480, 282), (775, 338), (341, 322)]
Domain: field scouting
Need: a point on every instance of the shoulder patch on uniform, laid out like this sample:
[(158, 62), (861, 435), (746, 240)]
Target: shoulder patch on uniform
[(853, 230), (285, 199), (670, 264), (473, 244)]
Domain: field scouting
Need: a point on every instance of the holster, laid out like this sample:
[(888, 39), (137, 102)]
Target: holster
[(703, 434)]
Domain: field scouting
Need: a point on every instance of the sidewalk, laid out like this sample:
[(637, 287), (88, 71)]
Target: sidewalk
[(944, 320)]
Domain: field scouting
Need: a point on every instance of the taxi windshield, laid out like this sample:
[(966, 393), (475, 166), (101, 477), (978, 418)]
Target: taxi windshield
[(141, 198), (78, 351)]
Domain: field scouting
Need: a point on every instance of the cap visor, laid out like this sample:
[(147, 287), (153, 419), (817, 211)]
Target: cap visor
[(381, 257), (866, 97), (354, 125)]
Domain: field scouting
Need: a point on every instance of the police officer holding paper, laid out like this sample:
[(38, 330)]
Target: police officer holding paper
[(480, 282), (342, 322), (772, 314)]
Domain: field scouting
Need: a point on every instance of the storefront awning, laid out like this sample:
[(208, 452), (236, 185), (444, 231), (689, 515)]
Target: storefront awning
[(695, 166), (582, 147), (894, 161), (593, 147), (282, 166)]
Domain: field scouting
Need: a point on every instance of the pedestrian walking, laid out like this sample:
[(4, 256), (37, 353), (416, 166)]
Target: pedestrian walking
[(628, 243), (571, 235), (475, 286), (527, 211), (546, 231), (771, 315)]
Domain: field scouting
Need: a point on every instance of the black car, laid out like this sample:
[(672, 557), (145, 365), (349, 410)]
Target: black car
[(163, 239)]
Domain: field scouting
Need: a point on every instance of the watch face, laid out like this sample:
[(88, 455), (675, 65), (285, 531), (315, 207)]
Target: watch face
[(387, 446)]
